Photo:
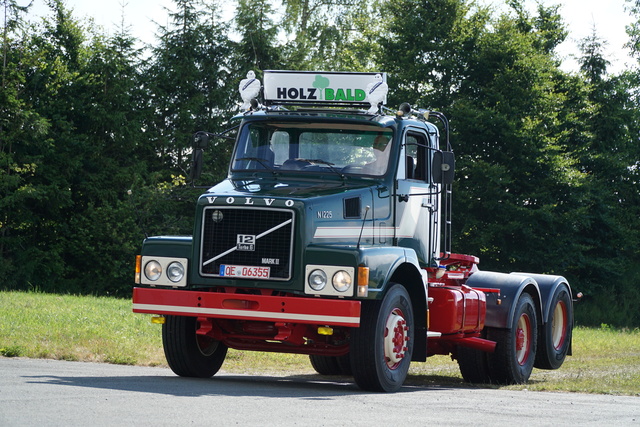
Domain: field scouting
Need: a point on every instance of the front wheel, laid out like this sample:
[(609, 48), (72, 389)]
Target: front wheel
[(188, 353), (512, 361), (382, 346)]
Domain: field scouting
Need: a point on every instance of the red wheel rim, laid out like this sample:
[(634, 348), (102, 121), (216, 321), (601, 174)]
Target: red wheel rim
[(523, 339), (559, 325), (396, 335)]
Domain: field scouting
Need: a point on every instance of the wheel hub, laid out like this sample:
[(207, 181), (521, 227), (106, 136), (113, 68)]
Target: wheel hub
[(559, 325), (395, 338), (523, 339), (206, 344)]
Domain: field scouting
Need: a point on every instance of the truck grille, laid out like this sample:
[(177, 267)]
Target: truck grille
[(256, 237)]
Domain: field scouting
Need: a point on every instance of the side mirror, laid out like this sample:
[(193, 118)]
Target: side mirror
[(443, 167), (196, 164), (200, 143), (200, 140)]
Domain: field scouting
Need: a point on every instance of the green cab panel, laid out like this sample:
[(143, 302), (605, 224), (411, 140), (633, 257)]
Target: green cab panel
[(168, 246), (382, 262)]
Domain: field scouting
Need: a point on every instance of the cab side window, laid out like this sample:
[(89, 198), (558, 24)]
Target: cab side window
[(416, 157)]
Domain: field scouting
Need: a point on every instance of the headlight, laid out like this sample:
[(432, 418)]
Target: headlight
[(153, 270), (317, 280), (163, 271), (341, 278), (175, 272), (342, 281)]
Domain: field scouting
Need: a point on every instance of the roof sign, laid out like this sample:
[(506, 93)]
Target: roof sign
[(327, 88)]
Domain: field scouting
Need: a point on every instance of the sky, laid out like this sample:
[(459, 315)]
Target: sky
[(608, 17)]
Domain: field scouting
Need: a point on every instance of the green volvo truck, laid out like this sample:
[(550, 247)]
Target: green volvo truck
[(331, 237)]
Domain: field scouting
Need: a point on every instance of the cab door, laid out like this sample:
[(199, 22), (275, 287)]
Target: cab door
[(417, 198)]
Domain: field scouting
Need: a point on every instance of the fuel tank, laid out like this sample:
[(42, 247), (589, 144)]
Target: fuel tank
[(456, 309)]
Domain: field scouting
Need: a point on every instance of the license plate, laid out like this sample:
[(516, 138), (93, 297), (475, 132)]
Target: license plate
[(245, 271)]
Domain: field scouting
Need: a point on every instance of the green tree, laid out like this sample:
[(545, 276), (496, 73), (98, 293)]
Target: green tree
[(633, 29), (362, 27), (20, 126), (50, 61), (316, 31), (513, 171), (524, 199), (496, 79), (105, 230), (258, 47), (426, 46), (187, 79), (72, 159), (608, 153)]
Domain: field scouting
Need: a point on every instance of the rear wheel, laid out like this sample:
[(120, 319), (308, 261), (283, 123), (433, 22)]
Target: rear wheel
[(188, 353), (473, 365), (555, 335), (512, 361), (344, 362), (382, 346), (331, 365)]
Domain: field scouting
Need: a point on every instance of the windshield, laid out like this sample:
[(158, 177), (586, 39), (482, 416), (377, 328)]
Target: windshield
[(314, 147)]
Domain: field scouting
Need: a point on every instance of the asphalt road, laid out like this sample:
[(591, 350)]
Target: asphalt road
[(59, 393)]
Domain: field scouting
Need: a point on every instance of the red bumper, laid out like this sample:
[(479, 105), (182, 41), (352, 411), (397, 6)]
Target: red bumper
[(314, 311)]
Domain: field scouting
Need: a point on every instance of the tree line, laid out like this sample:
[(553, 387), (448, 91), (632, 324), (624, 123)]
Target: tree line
[(95, 132)]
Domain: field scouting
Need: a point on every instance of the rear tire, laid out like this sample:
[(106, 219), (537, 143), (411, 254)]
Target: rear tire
[(555, 335), (344, 362), (331, 365), (325, 365), (512, 361), (473, 365), (382, 346), (189, 354)]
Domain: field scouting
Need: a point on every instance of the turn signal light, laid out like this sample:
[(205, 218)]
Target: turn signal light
[(138, 268), (363, 281)]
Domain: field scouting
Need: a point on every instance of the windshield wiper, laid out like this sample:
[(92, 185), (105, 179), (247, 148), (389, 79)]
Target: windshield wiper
[(263, 162), (324, 162)]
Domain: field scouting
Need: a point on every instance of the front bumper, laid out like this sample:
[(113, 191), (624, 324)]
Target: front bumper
[(315, 311)]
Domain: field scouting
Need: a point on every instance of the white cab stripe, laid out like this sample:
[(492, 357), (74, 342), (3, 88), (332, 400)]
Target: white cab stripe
[(354, 232)]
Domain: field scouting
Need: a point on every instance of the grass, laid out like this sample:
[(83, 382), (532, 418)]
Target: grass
[(99, 329), (604, 361), (76, 328)]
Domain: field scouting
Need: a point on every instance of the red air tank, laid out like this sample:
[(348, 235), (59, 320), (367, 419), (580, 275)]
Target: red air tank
[(456, 309)]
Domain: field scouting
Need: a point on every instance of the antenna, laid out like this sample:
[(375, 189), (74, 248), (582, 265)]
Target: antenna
[(366, 211)]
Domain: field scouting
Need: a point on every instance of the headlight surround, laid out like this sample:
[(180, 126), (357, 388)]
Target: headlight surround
[(317, 280), (330, 280), (342, 281), (175, 272), (153, 270), (163, 271)]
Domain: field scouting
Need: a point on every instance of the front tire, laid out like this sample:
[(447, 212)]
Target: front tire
[(512, 361), (382, 346), (188, 353), (555, 335)]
